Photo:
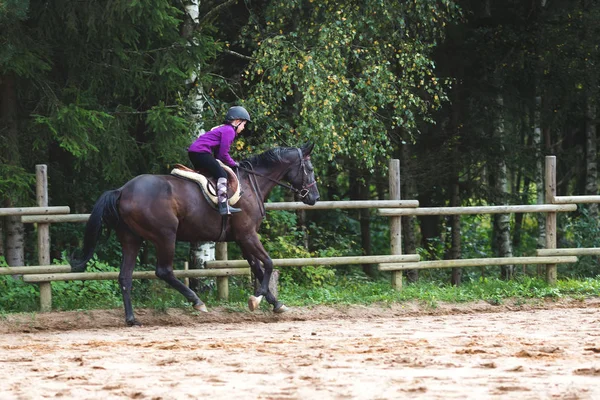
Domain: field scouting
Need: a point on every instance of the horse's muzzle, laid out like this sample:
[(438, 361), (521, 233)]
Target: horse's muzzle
[(310, 200)]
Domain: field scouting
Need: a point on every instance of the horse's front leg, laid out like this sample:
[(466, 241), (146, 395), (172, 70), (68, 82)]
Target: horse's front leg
[(255, 300), (255, 254)]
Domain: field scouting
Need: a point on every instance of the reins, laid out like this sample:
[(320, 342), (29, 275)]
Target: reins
[(256, 188), (251, 171)]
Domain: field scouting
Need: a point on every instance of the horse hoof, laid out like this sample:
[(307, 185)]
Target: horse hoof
[(283, 308), (200, 307), (254, 302), (133, 323)]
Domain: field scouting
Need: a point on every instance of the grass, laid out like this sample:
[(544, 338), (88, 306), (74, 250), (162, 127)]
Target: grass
[(495, 291), (342, 290)]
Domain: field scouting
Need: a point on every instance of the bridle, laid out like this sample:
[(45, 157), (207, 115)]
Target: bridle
[(300, 192), (301, 169)]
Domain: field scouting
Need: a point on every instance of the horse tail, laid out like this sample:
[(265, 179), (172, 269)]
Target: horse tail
[(105, 212)]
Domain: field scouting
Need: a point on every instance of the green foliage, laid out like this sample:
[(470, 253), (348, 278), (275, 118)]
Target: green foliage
[(284, 247), (13, 10), (345, 75), (334, 229), (82, 125), (16, 184), (15, 295), (431, 293), (19, 53), (72, 295), (581, 230), (98, 79)]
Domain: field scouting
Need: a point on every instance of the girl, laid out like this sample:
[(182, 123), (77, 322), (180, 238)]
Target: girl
[(214, 145)]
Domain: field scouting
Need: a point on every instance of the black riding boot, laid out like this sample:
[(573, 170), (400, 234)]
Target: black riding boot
[(224, 207)]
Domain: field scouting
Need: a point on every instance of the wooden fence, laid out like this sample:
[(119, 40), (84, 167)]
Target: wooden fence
[(396, 262), (221, 268)]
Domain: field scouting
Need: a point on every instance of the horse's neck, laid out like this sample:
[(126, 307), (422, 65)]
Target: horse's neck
[(266, 182)]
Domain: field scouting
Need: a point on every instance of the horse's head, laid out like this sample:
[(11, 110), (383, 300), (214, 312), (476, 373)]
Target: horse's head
[(302, 176)]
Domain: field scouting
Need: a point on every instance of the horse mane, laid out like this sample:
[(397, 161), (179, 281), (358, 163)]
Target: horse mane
[(270, 157)]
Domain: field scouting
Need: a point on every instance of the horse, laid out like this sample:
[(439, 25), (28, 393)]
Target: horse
[(164, 209)]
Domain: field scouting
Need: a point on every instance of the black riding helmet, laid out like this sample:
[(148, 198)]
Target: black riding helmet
[(237, 112)]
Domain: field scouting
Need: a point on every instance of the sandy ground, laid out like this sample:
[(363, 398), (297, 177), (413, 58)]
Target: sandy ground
[(547, 350)]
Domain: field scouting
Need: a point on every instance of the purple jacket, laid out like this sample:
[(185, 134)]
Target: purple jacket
[(216, 141)]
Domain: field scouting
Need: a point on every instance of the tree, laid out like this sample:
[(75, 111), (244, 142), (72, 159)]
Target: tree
[(345, 75), (96, 90), (14, 61)]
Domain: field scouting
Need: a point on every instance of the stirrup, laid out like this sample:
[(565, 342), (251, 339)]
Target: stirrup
[(233, 210), (226, 209)]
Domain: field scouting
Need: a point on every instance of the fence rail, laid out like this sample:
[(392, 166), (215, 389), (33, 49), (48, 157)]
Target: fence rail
[(477, 262), (478, 210), (322, 205), (47, 219), (34, 210), (35, 269), (346, 204), (575, 199), (581, 251), (299, 262), (86, 276)]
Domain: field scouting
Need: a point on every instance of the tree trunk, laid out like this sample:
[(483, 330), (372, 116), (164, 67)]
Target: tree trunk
[(539, 171), (15, 239), (1, 237), (521, 185), (455, 200), (381, 184), (430, 229), (591, 155), (455, 247), (408, 222), (200, 252), (302, 224), (15, 232), (364, 217), (195, 94), (501, 222), (357, 190)]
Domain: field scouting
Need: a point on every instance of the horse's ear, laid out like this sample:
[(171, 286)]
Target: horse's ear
[(307, 149)]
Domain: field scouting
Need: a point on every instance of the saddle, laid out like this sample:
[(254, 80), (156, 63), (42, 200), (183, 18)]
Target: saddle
[(208, 185)]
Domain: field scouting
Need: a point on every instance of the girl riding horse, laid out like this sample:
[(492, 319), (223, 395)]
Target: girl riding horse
[(214, 145)]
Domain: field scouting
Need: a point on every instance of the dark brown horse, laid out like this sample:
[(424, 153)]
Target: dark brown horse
[(164, 209)]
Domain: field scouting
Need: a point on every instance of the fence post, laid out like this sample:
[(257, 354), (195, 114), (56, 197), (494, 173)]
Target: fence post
[(550, 216), (222, 281), (395, 222), (43, 231)]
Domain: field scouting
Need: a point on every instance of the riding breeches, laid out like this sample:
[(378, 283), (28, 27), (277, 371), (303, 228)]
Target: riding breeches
[(206, 161)]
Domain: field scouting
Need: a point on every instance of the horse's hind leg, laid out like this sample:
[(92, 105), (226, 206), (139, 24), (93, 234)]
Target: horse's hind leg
[(165, 251), (131, 244)]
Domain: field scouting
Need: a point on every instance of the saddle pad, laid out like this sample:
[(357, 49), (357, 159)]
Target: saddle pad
[(208, 186)]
